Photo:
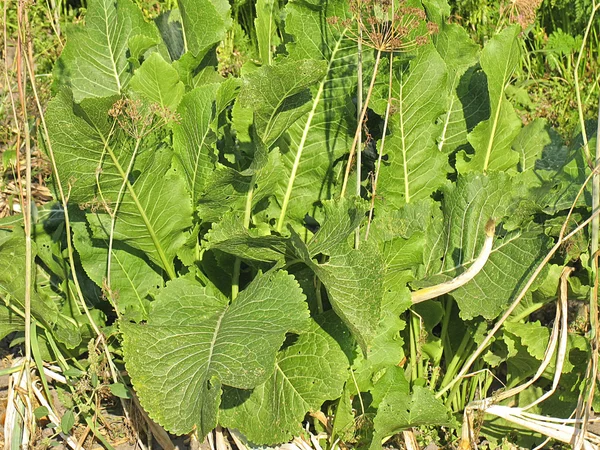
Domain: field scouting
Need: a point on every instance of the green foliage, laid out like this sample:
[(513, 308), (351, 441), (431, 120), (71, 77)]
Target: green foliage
[(207, 221)]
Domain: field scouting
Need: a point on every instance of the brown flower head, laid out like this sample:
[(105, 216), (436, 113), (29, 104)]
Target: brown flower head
[(387, 25)]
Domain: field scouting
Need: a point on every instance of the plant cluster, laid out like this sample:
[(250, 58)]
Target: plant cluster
[(205, 258)]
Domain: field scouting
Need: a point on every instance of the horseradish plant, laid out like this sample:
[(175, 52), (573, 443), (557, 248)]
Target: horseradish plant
[(258, 243)]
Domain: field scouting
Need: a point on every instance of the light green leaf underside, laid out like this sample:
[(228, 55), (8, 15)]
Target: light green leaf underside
[(313, 369), (492, 138), (415, 167), (94, 61), (158, 82), (194, 341)]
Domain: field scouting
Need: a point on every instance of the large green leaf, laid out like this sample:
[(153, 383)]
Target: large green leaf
[(279, 95), (308, 372), (459, 53), (353, 278), (205, 23), (153, 213), (94, 61), (131, 276), (492, 138), (193, 138), (158, 82), (454, 241), (400, 410), (12, 282), (320, 138), (102, 166), (416, 167), (195, 341), (76, 139)]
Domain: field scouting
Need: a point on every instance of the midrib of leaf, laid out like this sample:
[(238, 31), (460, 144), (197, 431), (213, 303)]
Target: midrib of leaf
[(404, 160), (270, 33), (212, 343), (505, 77), (311, 114), (197, 158), (448, 115), (168, 266), (110, 49), (271, 121), (452, 270), (291, 385), (137, 295)]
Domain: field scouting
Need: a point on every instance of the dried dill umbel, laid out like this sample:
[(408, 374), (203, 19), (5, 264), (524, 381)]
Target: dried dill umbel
[(386, 25), (522, 12), (139, 120)]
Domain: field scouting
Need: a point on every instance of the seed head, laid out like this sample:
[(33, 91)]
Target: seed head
[(387, 25)]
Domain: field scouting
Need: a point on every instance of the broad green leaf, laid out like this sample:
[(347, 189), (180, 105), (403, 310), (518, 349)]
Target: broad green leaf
[(227, 189), (454, 241), (560, 172), (9, 320), (342, 217), (353, 279), (308, 372), (97, 162), (530, 143), (76, 139), (194, 140), (195, 341), (415, 167), (205, 23), (386, 351), (94, 60), (158, 82), (492, 139), (279, 95), (319, 139), (266, 22), (131, 277), (230, 236), (460, 53), (400, 410), (534, 337), (154, 213), (12, 283)]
